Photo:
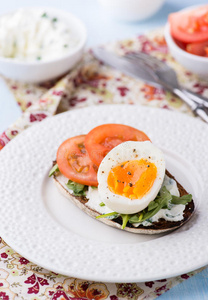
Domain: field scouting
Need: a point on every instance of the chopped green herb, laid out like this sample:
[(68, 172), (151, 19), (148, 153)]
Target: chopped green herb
[(54, 170), (66, 46), (38, 57), (77, 188), (54, 20), (44, 15), (102, 204), (113, 214)]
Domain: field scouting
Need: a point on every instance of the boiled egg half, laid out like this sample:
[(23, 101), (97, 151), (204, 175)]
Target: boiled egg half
[(130, 176)]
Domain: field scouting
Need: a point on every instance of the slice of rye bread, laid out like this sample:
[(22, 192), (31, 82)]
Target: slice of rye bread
[(157, 227)]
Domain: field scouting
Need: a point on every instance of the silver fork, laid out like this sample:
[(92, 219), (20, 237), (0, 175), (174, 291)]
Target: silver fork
[(165, 74), (138, 67)]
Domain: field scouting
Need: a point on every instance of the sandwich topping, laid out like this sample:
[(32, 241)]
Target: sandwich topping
[(130, 176), (122, 176), (132, 179), (170, 213)]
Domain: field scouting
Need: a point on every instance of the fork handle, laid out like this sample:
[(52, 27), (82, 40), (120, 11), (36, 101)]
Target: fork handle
[(202, 112), (197, 98), (199, 109)]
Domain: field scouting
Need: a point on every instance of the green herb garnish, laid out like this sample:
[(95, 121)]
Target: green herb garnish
[(164, 200), (54, 170), (44, 15), (113, 214), (54, 20), (77, 188), (125, 219), (66, 46), (38, 57), (152, 205), (181, 200), (102, 204)]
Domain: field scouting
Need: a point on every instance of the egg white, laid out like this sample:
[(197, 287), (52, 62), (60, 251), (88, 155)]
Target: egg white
[(128, 151)]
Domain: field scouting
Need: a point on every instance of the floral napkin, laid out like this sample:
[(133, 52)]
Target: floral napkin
[(90, 83)]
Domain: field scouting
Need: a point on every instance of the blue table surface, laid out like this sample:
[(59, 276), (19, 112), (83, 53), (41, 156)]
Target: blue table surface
[(101, 29)]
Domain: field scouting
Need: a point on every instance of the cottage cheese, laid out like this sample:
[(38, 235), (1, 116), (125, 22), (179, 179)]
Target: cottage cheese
[(34, 35)]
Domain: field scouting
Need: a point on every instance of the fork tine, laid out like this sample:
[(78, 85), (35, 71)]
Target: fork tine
[(148, 57), (150, 60), (140, 62), (144, 60), (164, 75)]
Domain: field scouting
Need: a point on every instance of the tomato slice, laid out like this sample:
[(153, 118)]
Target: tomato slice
[(74, 162), (100, 140), (197, 48), (180, 44), (190, 26)]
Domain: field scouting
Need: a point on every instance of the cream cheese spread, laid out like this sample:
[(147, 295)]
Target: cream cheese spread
[(34, 35), (94, 202)]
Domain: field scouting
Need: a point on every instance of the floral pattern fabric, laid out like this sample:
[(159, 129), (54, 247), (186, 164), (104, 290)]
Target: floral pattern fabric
[(90, 83)]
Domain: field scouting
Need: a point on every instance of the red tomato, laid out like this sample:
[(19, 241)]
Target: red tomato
[(180, 44), (74, 162), (100, 140), (197, 48), (190, 26)]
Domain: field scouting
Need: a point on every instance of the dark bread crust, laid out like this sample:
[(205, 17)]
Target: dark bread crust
[(157, 227)]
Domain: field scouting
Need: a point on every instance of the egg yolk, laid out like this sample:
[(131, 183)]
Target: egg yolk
[(132, 179)]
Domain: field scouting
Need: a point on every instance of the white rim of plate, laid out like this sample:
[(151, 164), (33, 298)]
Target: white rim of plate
[(28, 229)]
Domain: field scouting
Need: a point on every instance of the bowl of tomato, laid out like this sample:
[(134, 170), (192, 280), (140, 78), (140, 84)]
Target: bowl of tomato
[(186, 34)]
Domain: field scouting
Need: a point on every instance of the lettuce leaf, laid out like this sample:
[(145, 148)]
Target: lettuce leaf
[(163, 200), (181, 200), (53, 170), (77, 188)]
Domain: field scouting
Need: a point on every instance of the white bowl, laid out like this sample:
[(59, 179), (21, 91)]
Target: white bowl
[(39, 71), (194, 63), (132, 10)]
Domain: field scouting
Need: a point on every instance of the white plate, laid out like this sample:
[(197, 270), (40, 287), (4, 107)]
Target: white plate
[(50, 231)]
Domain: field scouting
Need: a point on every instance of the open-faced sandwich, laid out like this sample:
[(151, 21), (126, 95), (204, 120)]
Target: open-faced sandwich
[(116, 175)]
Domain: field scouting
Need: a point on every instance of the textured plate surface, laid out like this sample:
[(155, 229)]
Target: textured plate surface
[(34, 218)]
